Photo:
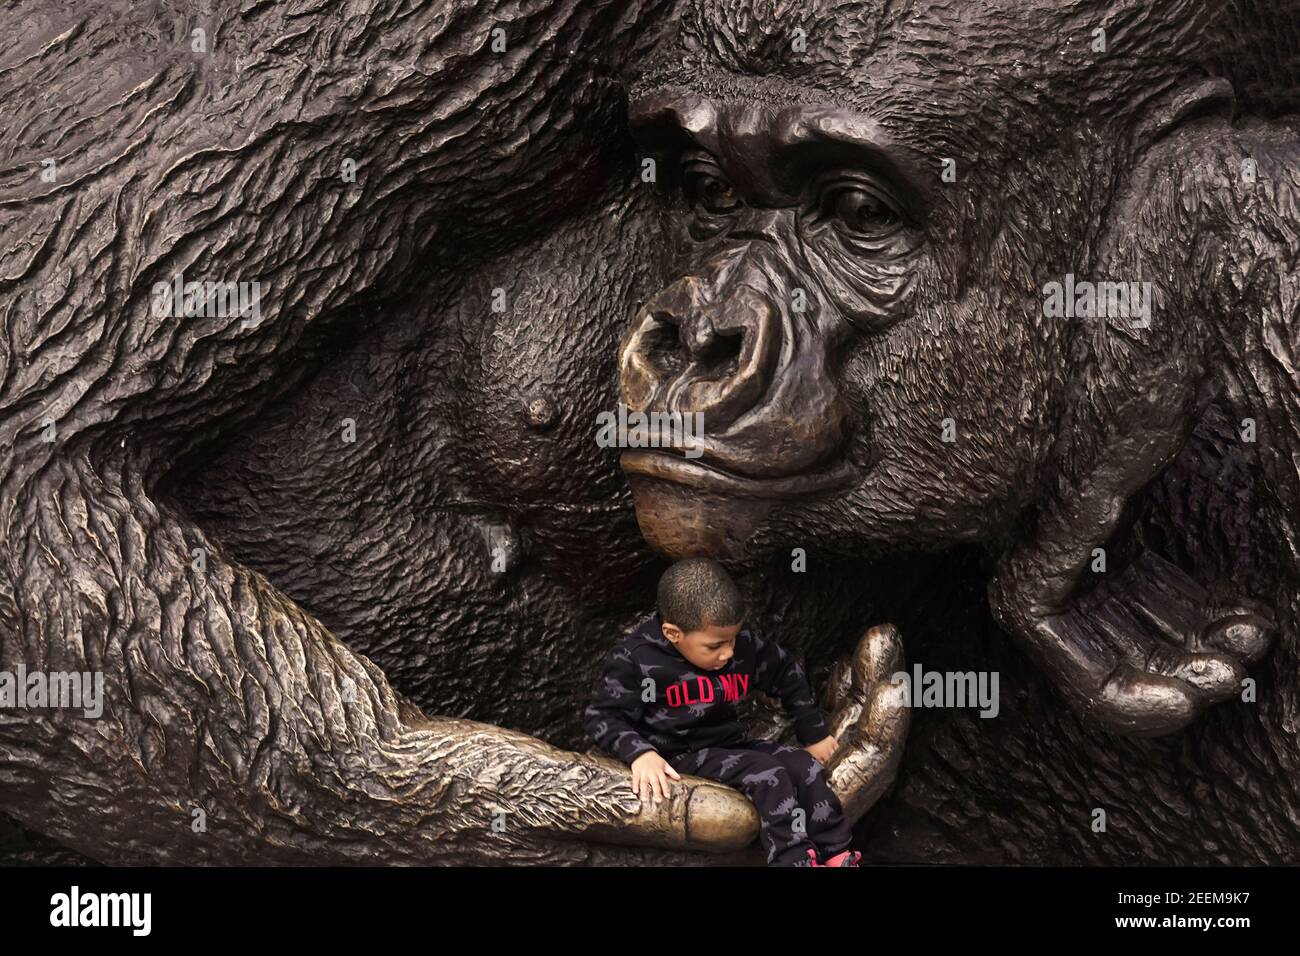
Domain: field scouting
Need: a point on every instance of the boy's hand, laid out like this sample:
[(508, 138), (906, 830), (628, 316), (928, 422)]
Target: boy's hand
[(650, 773), (823, 750)]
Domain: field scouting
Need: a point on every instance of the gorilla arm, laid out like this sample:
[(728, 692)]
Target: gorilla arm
[(224, 697), (221, 695), (1147, 650)]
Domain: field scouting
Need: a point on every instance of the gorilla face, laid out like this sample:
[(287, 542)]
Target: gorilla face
[(866, 338), (852, 384)]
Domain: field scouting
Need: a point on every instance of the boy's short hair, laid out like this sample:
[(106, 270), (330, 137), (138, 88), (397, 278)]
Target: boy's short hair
[(696, 593)]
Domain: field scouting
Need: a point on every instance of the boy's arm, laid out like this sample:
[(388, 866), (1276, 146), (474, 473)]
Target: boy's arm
[(778, 673), (612, 715)]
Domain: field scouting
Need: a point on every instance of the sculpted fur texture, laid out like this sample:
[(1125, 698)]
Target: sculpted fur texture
[(348, 564)]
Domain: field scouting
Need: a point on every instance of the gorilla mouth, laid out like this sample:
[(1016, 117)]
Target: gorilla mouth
[(680, 470)]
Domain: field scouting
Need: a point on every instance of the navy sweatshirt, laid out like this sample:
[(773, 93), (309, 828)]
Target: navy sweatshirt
[(652, 698)]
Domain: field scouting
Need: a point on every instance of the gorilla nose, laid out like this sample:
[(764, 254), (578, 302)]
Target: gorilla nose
[(685, 355), (726, 344)]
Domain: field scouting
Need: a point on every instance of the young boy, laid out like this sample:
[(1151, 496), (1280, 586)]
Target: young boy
[(666, 706)]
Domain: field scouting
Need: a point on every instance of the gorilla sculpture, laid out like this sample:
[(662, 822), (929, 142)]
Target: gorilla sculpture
[(252, 528)]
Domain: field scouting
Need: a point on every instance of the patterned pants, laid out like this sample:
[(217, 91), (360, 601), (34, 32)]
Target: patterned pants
[(788, 786)]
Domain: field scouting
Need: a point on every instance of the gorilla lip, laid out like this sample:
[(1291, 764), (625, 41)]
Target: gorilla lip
[(677, 469)]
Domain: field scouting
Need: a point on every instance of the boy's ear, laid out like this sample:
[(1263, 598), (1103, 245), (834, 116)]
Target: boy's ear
[(672, 632)]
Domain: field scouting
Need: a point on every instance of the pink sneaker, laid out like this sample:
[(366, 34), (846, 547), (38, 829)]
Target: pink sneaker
[(844, 858)]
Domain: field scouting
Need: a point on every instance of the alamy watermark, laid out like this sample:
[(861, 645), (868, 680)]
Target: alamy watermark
[(1085, 299), (651, 430), (40, 690), (181, 299), (76, 909), (950, 689)]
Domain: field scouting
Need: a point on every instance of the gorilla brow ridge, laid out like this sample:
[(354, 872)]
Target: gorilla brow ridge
[(747, 40)]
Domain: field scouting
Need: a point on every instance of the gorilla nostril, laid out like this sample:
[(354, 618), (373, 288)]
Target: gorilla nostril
[(664, 347), (671, 349), (721, 354)]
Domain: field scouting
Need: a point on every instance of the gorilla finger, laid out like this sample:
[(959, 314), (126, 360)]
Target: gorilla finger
[(869, 755), (1216, 676), (1172, 617), (1222, 604), (879, 655), (1247, 636), (1184, 612), (845, 720), (1141, 704), (697, 814), (836, 690), (1073, 652)]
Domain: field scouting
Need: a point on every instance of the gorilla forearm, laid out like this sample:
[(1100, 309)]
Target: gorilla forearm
[(222, 696), (1219, 200), (214, 686), (1193, 224)]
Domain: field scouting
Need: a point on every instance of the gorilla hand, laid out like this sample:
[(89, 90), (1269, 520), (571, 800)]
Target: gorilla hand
[(1145, 651), (1148, 650), (869, 717)]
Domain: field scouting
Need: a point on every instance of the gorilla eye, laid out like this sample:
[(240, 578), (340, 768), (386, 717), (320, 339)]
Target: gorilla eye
[(705, 187), (859, 209)]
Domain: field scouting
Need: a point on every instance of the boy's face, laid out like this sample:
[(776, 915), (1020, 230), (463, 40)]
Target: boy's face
[(709, 648)]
